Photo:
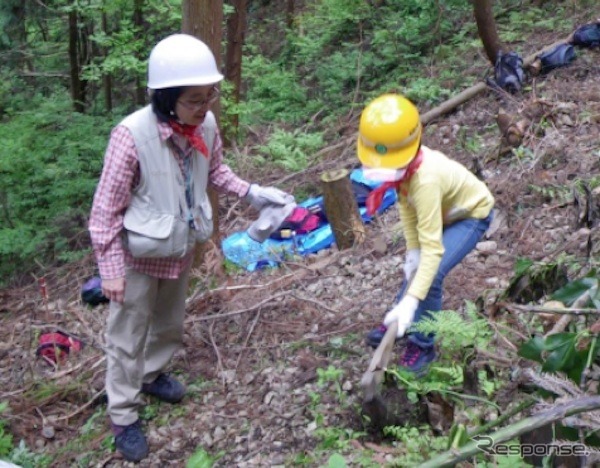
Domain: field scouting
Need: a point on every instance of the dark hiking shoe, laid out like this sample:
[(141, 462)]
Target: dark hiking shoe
[(417, 359), (375, 336), (165, 388), (130, 441)]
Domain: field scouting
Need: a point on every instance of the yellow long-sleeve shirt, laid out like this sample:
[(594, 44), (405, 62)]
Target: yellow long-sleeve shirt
[(441, 192)]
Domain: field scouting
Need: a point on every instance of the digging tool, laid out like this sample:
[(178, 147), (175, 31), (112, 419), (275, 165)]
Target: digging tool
[(373, 403)]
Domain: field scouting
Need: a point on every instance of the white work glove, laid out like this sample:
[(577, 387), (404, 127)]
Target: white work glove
[(404, 313), (411, 263), (259, 196)]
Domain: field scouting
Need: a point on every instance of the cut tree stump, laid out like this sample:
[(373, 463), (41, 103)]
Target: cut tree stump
[(512, 127), (341, 209)]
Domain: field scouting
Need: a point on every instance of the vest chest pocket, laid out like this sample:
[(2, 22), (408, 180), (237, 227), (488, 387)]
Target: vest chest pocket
[(156, 235)]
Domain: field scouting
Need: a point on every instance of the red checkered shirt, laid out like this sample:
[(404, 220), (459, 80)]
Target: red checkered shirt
[(120, 175)]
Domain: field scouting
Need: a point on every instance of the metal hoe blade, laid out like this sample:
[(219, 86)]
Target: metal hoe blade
[(373, 377)]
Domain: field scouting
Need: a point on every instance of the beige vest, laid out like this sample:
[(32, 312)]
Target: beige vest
[(158, 220)]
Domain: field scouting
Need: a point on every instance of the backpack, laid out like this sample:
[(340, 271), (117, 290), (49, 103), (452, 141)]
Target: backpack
[(587, 35), (361, 192), (301, 221), (559, 56), (508, 72), (55, 346), (91, 292)]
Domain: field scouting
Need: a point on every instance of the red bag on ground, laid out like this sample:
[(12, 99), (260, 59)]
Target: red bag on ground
[(300, 221), (55, 346)]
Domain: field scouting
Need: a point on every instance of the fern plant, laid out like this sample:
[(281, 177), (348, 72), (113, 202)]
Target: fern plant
[(458, 339), (5, 438), (455, 334), (291, 150)]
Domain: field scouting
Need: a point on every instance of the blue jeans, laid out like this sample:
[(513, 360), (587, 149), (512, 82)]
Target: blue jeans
[(458, 239)]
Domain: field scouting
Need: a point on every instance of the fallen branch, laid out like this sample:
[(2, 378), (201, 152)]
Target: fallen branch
[(564, 321), (315, 302), (474, 90), (258, 306), (552, 310), (198, 295), (556, 413), (504, 417), (81, 408), (237, 312)]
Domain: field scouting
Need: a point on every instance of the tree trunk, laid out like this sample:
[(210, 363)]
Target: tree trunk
[(203, 19), (76, 85), (289, 14), (341, 209), (106, 77), (236, 31), (138, 22), (486, 26)]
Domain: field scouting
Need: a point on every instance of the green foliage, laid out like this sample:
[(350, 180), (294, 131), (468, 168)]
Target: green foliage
[(290, 150), (568, 352), (50, 162), (418, 444), (20, 455), (575, 290), (336, 438), (25, 458), (91, 425), (5, 438), (533, 280), (336, 461), (454, 334), (274, 94), (562, 352), (331, 375), (202, 459), (458, 339)]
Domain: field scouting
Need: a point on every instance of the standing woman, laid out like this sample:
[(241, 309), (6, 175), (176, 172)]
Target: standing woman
[(444, 210), (150, 209)]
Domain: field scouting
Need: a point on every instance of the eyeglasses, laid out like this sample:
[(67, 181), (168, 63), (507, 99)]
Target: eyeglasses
[(196, 105)]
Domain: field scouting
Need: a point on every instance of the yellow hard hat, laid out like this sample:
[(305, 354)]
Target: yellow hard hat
[(389, 132)]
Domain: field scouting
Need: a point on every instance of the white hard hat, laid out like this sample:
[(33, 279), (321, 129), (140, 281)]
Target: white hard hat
[(181, 60)]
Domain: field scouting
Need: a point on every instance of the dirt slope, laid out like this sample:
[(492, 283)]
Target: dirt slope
[(253, 375)]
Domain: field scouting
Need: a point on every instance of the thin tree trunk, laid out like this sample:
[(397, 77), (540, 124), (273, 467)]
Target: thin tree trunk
[(486, 26), (138, 21), (76, 86), (289, 14), (106, 77), (236, 30), (203, 19)]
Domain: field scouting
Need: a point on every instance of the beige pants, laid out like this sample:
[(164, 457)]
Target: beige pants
[(142, 334)]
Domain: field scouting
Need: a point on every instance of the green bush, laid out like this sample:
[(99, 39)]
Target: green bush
[(50, 162)]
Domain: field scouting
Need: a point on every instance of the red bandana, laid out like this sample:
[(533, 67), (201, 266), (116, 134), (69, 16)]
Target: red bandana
[(375, 198), (189, 132)]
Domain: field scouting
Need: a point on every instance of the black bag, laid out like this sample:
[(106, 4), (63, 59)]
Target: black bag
[(361, 192), (560, 56), (587, 35), (91, 292), (508, 72)]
